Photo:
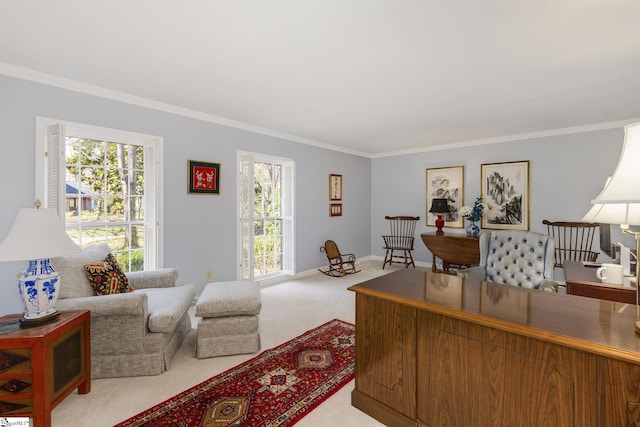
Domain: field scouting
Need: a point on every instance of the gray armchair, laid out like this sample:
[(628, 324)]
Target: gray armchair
[(134, 333), (516, 258)]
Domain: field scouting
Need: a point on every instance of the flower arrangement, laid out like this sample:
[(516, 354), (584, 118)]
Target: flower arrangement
[(474, 213)]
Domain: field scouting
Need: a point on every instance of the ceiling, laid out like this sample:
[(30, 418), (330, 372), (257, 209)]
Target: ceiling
[(371, 77)]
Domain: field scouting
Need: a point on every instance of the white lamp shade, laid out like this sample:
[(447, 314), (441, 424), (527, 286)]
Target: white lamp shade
[(624, 185), (36, 234), (614, 213)]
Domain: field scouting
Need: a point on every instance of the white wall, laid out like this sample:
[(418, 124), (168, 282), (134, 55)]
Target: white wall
[(565, 173), (200, 230)]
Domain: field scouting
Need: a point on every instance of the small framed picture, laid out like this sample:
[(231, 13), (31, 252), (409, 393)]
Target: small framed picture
[(505, 190), (335, 209), (335, 187), (204, 177)]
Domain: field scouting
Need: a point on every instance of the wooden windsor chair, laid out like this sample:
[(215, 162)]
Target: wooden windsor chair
[(398, 244), (573, 240)]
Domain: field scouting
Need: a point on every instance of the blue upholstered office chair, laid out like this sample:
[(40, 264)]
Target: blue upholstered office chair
[(516, 258)]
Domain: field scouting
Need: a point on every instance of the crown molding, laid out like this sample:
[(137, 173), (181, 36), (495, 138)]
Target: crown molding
[(89, 89), (513, 138), (77, 86)]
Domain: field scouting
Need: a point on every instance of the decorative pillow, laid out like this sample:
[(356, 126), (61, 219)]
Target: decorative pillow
[(107, 277)]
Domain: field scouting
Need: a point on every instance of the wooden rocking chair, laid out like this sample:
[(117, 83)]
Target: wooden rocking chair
[(339, 264), (401, 240)]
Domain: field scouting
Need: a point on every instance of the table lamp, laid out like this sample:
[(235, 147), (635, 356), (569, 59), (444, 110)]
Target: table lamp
[(439, 206), (36, 236), (619, 200)]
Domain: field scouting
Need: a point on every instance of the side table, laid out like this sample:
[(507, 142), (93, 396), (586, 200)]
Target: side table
[(455, 250), (581, 280), (41, 365)]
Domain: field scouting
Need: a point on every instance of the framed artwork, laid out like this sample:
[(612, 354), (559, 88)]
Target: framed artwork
[(204, 177), (335, 209), (446, 183), (335, 187), (505, 190)]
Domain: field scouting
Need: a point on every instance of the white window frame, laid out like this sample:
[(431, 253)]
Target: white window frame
[(288, 210), (50, 163)]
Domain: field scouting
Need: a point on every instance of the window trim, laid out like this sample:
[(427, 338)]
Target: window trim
[(97, 132)]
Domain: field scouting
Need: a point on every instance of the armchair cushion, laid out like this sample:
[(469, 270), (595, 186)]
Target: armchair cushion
[(73, 279), (106, 277), (167, 306)]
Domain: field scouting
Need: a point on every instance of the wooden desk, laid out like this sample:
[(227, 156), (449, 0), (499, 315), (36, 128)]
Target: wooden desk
[(40, 366), (582, 281), (455, 250), (432, 350)]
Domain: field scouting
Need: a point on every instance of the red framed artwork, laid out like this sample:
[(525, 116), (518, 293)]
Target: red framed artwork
[(335, 209), (204, 178)]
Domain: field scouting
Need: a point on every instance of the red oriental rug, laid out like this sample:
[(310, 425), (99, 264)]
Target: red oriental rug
[(276, 388)]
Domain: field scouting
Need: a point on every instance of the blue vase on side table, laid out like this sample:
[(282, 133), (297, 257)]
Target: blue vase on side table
[(472, 229)]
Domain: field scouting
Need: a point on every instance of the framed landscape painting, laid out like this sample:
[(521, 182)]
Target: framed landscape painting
[(204, 177), (505, 190), (446, 183)]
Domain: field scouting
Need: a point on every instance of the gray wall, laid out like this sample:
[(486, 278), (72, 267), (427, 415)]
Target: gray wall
[(200, 230), (565, 173)]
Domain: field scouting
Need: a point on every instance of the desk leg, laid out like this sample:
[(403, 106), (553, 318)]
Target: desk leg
[(434, 268)]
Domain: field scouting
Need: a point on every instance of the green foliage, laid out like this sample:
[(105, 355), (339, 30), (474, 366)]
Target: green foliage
[(111, 175), (136, 258), (267, 228)]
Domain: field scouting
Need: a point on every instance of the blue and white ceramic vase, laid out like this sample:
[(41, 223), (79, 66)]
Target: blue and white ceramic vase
[(472, 229)]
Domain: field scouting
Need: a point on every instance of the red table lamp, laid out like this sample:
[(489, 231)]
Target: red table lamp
[(439, 206)]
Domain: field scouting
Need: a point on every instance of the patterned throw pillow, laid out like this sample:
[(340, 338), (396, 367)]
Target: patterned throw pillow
[(107, 277)]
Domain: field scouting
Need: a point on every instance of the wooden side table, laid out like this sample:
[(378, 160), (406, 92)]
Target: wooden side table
[(581, 280), (455, 250), (40, 366)]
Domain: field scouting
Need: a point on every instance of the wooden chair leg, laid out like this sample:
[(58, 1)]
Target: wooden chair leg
[(411, 258)]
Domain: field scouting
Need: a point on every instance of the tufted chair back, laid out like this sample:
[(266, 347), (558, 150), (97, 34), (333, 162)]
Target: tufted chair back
[(517, 258)]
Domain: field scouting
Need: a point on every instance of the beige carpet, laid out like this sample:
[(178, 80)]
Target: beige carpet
[(288, 309)]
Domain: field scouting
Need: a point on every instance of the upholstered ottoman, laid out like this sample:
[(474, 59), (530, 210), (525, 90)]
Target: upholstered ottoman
[(229, 323)]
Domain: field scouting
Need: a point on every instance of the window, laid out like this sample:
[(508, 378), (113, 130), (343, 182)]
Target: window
[(104, 184), (266, 216)]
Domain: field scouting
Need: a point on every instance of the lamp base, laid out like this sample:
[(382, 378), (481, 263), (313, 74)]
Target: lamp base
[(30, 323), (439, 225), (39, 287)]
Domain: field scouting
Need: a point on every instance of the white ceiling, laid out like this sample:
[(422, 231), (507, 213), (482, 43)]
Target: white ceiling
[(370, 76)]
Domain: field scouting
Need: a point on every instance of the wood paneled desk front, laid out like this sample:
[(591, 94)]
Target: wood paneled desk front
[(582, 281), (455, 250), (433, 350)]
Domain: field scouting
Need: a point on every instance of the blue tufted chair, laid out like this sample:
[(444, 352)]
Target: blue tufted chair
[(516, 258)]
